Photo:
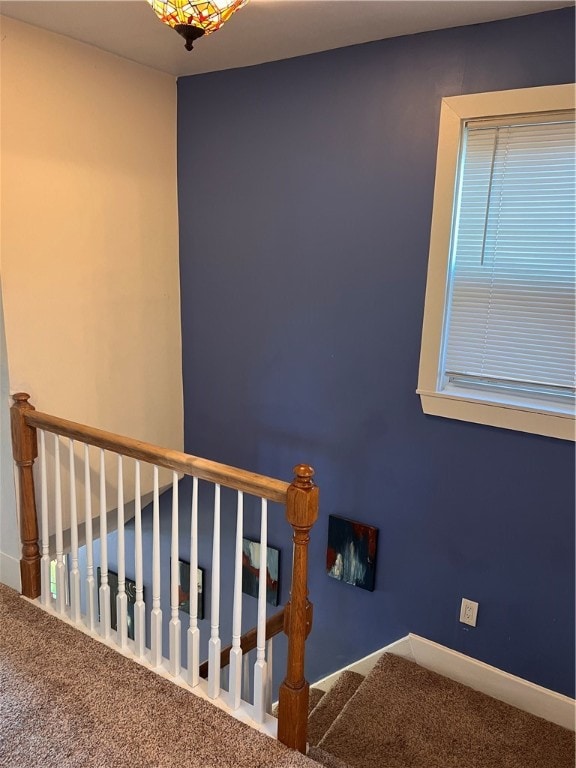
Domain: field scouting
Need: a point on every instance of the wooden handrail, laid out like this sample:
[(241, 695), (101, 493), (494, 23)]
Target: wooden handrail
[(231, 477), (300, 498), (274, 625)]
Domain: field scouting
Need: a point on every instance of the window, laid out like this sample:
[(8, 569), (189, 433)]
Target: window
[(498, 340)]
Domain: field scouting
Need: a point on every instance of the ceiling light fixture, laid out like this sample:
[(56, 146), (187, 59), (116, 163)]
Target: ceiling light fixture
[(194, 19)]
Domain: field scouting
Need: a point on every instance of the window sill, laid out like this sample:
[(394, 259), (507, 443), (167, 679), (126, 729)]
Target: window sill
[(537, 421)]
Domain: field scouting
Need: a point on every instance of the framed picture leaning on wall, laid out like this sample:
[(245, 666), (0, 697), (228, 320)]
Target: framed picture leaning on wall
[(184, 588)]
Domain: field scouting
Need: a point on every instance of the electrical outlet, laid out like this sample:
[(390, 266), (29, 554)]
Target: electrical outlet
[(468, 612)]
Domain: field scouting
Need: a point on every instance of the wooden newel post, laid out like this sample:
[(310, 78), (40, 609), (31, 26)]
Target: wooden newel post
[(25, 450), (302, 513)]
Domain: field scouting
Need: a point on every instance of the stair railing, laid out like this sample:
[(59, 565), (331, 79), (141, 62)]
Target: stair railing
[(249, 641), (300, 499)]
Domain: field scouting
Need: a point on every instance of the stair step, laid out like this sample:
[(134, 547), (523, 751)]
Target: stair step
[(316, 695), (330, 706), (403, 714), (326, 759)]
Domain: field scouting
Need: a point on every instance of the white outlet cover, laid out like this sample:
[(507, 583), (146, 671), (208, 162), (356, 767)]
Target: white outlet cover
[(468, 612)]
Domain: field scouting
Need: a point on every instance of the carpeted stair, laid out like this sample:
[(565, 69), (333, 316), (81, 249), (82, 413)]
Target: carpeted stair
[(315, 696), (330, 706), (404, 716)]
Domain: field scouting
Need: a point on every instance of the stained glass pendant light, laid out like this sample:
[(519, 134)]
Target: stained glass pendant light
[(194, 19)]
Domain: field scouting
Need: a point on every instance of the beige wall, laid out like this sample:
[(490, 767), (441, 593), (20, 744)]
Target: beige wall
[(9, 537), (89, 238)]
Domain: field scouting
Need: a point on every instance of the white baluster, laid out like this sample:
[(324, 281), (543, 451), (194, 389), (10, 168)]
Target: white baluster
[(260, 671), (60, 567), (139, 607), (104, 594), (214, 644), (75, 614), (156, 618), (45, 562), (269, 666), (91, 609), (121, 598), (174, 631), (236, 652), (193, 631)]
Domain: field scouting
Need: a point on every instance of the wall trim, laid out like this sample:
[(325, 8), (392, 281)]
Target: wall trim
[(363, 666), (503, 686), (522, 694), (10, 571)]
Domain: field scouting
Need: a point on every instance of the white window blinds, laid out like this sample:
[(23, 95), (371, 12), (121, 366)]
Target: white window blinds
[(510, 324)]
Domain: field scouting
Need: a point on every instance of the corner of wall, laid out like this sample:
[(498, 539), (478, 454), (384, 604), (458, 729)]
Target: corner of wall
[(9, 538)]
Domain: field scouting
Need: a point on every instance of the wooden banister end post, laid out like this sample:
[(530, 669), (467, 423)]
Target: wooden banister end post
[(301, 513), (293, 715), (25, 451)]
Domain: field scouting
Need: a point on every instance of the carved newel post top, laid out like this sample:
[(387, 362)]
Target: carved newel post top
[(21, 397), (302, 498), (303, 474), (24, 448)]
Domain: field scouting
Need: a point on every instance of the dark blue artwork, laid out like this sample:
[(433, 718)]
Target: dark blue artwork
[(251, 570), (130, 589), (351, 555), (184, 588)]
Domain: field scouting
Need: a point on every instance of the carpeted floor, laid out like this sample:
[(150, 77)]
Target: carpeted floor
[(404, 716), (68, 701)]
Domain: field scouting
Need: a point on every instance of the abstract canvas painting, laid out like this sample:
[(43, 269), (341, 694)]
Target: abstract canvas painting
[(184, 588), (351, 555), (251, 570), (130, 587)]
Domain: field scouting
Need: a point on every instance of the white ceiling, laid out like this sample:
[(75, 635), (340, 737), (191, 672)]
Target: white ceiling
[(264, 30)]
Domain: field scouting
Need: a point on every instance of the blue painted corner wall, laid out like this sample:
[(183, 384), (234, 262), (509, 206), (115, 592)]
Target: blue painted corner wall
[(305, 200)]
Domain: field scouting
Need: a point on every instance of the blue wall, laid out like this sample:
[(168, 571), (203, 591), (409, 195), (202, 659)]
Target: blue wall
[(306, 193)]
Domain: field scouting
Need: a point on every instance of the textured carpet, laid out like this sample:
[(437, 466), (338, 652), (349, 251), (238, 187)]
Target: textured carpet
[(315, 695), (330, 706), (326, 759), (68, 701), (404, 716)]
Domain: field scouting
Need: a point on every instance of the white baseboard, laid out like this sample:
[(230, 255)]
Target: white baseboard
[(363, 666), (503, 686), (10, 571)]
